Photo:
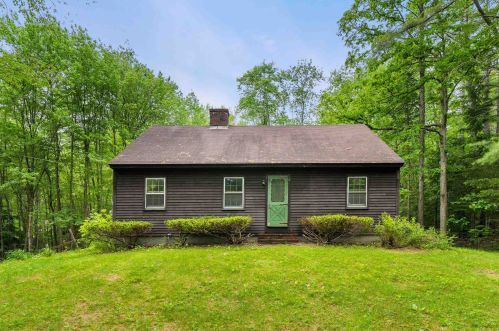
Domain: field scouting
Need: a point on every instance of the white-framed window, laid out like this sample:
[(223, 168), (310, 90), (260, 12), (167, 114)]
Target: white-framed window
[(155, 192), (233, 193), (357, 192)]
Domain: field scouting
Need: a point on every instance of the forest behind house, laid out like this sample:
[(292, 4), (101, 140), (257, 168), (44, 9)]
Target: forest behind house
[(422, 74)]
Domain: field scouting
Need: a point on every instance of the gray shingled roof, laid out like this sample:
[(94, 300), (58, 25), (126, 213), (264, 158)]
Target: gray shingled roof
[(257, 145)]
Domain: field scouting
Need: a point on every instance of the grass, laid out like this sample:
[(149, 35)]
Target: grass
[(253, 287)]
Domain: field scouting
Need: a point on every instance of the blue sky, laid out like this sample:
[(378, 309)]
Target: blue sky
[(205, 45)]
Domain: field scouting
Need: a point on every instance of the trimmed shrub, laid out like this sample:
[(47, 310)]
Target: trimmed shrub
[(103, 233), (323, 229), (398, 232), (232, 228)]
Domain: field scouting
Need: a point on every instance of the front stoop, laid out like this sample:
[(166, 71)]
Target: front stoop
[(278, 238)]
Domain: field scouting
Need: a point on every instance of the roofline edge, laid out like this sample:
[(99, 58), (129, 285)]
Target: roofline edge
[(261, 165)]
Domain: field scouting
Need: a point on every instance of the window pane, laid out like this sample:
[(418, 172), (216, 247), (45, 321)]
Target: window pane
[(357, 184), (277, 190), (155, 185), (233, 184), (233, 199), (155, 200), (357, 199)]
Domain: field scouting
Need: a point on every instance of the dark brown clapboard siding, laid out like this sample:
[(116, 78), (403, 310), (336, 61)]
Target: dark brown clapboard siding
[(198, 192)]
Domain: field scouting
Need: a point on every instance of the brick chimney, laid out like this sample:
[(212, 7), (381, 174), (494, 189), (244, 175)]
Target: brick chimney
[(219, 117)]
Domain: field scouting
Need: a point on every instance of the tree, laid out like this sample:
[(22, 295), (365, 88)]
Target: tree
[(435, 42), (197, 114), (69, 104), (301, 81), (416, 68), (262, 98)]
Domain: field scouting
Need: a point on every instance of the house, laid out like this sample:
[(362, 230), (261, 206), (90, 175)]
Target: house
[(276, 174)]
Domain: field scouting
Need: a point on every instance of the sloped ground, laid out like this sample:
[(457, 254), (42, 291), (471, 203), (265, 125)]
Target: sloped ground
[(253, 287)]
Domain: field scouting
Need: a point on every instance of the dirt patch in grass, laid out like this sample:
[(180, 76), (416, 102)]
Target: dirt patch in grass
[(112, 278), (490, 273), (169, 326), (29, 278), (82, 315), (406, 250)]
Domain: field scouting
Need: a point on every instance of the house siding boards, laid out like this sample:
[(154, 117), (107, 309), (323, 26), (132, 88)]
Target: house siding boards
[(199, 191)]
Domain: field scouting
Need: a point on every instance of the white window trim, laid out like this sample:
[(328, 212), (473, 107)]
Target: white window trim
[(354, 206), (155, 193), (233, 207)]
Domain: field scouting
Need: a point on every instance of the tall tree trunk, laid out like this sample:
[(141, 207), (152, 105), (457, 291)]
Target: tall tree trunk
[(302, 114), (100, 185), (422, 132), (497, 112), (29, 224), (422, 122), (409, 166), (444, 108), (57, 172), (86, 176), (2, 251), (71, 173), (2, 247), (114, 141), (487, 130)]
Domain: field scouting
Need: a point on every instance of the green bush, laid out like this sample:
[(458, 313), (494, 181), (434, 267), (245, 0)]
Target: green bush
[(46, 252), (18, 254), (479, 234), (232, 228), (323, 229), (103, 233), (458, 225), (398, 232)]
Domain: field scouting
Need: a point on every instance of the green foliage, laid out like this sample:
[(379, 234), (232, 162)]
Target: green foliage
[(46, 252), (103, 233), (404, 77), (232, 228), (262, 97), (324, 229), (458, 225), (300, 83), (491, 157), (480, 233), (69, 104), (273, 96), (18, 254), (399, 232)]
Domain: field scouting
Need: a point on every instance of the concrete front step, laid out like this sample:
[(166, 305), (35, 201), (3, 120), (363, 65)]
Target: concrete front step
[(278, 238)]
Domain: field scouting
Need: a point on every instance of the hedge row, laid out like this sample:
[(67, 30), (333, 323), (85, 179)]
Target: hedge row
[(105, 234), (323, 229), (232, 229)]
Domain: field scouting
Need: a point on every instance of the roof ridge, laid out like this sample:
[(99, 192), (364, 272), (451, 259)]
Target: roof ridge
[(250, 145), (263, 126)]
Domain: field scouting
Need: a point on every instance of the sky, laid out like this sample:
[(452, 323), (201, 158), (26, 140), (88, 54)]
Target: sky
[(204, 46)]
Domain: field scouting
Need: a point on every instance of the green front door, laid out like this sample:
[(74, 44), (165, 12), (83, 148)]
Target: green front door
[(277, 201)]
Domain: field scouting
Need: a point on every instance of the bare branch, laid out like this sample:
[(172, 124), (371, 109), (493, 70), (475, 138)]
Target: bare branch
[(482, 12)]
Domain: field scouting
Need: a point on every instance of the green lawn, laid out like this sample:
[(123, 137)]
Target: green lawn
[(253, 287)]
